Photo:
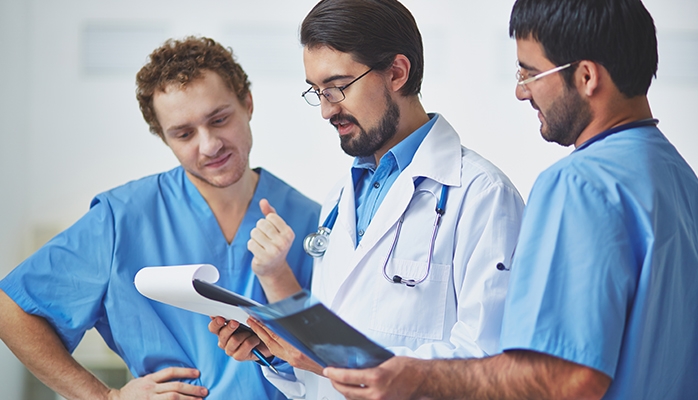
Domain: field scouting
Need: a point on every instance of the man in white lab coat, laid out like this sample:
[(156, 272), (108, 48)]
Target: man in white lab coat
[(364, 64)]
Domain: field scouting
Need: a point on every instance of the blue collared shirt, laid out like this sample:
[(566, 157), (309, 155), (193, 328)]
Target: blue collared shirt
[(372, 183)]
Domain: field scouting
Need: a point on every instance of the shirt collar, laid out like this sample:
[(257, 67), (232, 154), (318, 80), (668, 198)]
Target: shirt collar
[(403, 152)]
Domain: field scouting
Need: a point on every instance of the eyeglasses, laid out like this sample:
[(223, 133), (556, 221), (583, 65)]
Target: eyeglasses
[(331, 94), (523, 80)]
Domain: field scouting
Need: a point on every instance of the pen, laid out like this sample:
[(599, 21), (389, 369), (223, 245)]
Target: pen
[(263, 360)]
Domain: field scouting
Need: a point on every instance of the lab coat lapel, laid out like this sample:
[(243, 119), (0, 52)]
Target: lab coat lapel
[(387, 215), (338, 262), (347, 212)]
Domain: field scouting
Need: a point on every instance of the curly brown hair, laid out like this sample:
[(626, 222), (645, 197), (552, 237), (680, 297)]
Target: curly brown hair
[(183, 61)]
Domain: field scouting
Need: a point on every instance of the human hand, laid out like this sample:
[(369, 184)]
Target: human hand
[(237, 343), (270, 242), (161, 385), (399, 378), (282, 349)]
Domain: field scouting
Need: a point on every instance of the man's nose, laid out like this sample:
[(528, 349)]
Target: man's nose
[(328, 109), (209, 143), (522, 93)]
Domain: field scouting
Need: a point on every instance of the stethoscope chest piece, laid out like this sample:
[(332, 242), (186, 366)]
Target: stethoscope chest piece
[(316, 243)]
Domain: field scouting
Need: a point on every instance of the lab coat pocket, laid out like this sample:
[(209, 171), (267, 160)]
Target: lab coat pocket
[(416, 312)]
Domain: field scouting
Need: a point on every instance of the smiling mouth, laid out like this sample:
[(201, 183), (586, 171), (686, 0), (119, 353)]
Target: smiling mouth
[(343, 127), (343, 124), (540, 113), (218, 162)]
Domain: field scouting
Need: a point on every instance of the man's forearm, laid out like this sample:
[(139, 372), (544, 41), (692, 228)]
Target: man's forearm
[(38, 347), (512, 375)]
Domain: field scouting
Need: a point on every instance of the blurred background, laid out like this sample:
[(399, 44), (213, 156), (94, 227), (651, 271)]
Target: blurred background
[(70, 125)]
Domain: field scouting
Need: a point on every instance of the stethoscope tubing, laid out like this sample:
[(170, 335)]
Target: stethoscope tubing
[(316, 243), (440, 210)]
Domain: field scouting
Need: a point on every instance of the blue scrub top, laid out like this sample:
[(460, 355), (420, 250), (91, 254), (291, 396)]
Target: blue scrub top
[(83, 278), (606, 268)]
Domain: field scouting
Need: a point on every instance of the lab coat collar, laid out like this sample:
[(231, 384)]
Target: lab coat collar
[(439, 156)]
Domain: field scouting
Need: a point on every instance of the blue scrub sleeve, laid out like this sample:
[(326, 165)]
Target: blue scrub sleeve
[(66, 279), (573, 276)]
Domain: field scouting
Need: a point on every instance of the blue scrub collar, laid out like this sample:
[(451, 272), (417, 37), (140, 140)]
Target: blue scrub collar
[(619, 128)]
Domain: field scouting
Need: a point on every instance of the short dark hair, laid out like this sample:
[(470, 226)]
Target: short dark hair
[(180, 62), (372, 31), (618, 34)]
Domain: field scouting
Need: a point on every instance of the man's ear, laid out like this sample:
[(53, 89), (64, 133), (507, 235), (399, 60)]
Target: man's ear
[(399, 72), (249, 104), (588, 77)]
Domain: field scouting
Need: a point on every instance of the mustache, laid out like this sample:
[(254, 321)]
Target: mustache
[(343, 117)]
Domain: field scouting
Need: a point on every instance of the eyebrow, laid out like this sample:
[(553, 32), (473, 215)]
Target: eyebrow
[(527, 67), (330, 79), (184, 126)]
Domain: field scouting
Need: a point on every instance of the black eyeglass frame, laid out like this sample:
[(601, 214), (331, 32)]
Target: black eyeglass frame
[(330, 94)]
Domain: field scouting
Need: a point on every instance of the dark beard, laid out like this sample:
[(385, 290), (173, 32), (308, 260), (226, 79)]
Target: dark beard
[(567, 118), (368, 143)]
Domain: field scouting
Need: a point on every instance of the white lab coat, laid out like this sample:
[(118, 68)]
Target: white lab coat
[(457, 311)]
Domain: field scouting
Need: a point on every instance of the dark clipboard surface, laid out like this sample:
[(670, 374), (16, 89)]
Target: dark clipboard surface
[(319, 333), (217, 293), (332, 340)]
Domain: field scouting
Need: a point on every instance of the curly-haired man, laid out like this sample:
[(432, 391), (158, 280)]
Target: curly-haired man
[(196, 98)]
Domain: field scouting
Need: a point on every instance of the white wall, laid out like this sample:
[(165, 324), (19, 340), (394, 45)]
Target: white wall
[(14, 160), (69, 132)]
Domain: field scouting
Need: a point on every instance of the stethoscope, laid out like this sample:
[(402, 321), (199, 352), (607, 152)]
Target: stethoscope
[(316, 243)]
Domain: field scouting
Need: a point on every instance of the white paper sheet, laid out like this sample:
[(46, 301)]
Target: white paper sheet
[(173, 285)]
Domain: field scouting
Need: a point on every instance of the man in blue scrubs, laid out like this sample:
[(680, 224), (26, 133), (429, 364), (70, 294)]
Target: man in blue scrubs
[(603, 295), (196, 98)]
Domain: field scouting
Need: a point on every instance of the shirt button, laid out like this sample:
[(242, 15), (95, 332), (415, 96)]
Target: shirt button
[(377, 185), (361, 232)]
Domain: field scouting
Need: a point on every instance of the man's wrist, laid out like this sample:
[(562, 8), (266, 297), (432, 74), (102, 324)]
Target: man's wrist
[(281, 284), (112, 394)]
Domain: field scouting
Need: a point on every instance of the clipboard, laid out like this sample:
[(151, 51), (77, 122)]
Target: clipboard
[(300, 319), (176, 286)]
